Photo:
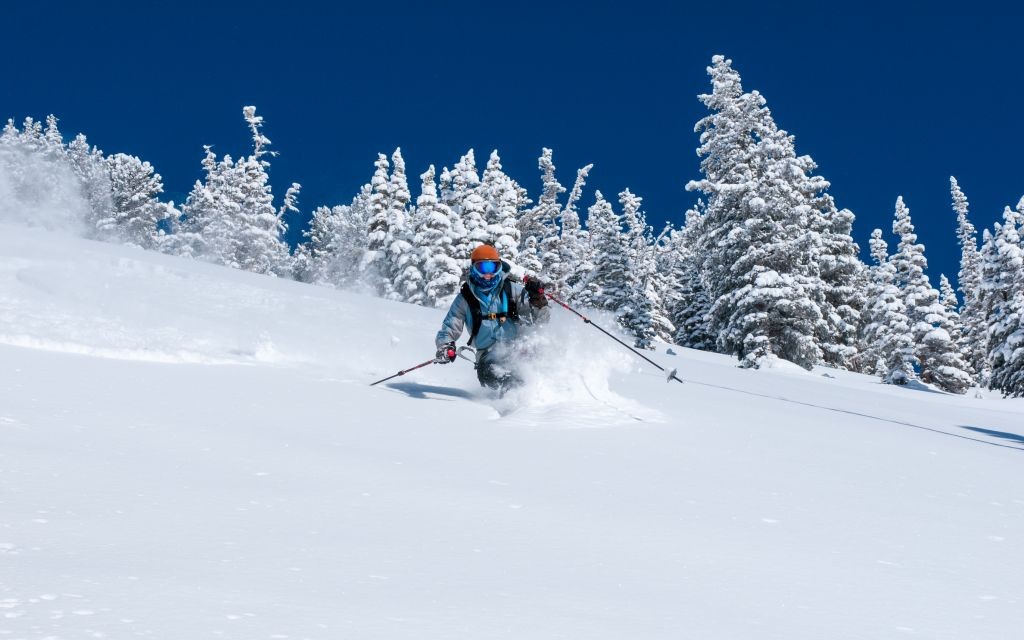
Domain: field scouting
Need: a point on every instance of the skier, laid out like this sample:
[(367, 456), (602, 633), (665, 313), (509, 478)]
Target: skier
[(493, 307)]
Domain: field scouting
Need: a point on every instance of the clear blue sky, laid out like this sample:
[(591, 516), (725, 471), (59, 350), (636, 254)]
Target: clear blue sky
[(888, 101)]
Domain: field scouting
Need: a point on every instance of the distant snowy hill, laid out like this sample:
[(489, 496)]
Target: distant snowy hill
[(189, 451)]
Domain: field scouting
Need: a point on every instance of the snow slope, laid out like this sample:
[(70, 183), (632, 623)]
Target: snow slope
[(191, 452)]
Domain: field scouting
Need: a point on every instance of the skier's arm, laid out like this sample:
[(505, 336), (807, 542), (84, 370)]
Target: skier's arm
[(540, 314), (538, 305), (453, 323)]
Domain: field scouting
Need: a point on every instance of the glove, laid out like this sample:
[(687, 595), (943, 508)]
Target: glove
[(535, 291), (446, 354)]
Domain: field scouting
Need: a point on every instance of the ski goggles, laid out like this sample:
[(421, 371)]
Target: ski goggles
[(487, 267)]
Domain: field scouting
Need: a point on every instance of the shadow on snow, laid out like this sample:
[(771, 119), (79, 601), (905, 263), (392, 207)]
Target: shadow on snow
[(1012, 437), (420, 391)]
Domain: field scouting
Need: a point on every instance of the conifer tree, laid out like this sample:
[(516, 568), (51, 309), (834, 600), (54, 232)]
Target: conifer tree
[(261, 227), (972, 315), (604, 286), (437, 239), (954, 371), (202, 227), (942, 363), (843, 275), (1003, 269), (89, 167), (988, 293), (925, 311), (887, 342), (760, 249), (136, 209), (309, 253), (9, 136), (407, 282), (54, 140), (641, 313), (947, 297), (538, 226), (351, 241), (31, 137), (573, 242), (501, 199), (378, 272), (692, 306), (470, 205), (335, 244), (230, 217)]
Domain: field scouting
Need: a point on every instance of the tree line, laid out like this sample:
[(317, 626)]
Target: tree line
[(764, 266)]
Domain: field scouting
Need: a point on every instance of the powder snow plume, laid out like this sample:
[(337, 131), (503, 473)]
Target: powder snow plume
[(566, 372), (37, 191)]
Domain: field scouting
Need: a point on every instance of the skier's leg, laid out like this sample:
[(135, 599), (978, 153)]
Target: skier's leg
[(493, 371), (486, 369)]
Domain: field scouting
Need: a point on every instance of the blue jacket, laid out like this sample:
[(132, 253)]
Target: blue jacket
[(491, 331)]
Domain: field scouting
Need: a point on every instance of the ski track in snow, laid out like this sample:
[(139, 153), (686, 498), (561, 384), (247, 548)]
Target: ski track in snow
[(856, 413)]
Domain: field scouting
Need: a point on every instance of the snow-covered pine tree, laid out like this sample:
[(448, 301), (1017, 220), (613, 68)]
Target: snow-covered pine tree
[(437, 240), (308, 253), (538, 226), (407, 282), (887, 345), (572, 242), (31, 137), (378, 272), (760, 247), (987, 295), (469, 203), (447, 193), (972, 313), (261, 245), (501, 199), (604, 287), (952, 325), (89, 167), (638, 313), (949, 302), (690, 312), (230, 218), (922, 301), (670, 276), (202, 228), (548, 216), (1003, 272), (662, 285), (335, 244), (844, 277), (54, 140), (137, 210), (9, 136), (944, 365)]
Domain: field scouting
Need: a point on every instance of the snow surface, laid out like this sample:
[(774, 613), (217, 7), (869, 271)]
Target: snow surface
[(191, 452)]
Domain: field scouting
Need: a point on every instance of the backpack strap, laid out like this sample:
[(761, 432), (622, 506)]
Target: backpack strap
[(512, 308), (474, 311)]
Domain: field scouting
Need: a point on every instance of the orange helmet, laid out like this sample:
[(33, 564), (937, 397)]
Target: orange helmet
[(484, 252)]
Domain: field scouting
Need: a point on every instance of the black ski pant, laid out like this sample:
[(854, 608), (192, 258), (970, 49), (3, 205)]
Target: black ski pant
[(494, 371)]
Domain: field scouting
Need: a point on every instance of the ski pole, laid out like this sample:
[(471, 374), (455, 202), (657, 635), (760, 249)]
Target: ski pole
[(671, 375), (402, 373)]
